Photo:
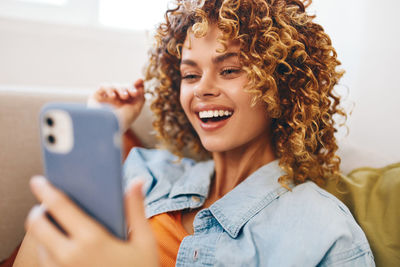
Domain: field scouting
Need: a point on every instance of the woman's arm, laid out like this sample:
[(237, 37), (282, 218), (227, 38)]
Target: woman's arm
[(86, 242)]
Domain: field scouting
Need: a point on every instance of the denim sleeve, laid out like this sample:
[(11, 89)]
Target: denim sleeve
[(158, 168), (349, 259)]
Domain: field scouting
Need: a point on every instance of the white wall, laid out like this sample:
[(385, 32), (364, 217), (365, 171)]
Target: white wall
[(364, 32), (40, 54), (366, 35)]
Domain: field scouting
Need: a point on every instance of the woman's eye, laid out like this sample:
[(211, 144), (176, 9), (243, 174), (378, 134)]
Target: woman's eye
[(231, 72), (190, 77)]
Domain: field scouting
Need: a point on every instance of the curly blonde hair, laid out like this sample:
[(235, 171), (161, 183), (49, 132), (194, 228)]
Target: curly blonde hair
[(291, 66)]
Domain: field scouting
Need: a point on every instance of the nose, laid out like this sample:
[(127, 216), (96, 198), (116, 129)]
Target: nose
[(206, 87)]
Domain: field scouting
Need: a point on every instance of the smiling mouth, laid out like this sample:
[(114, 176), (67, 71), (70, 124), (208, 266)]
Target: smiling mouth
[(214, 115)]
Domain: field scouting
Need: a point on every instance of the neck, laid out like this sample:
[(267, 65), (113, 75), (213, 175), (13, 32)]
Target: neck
[(233, 167)]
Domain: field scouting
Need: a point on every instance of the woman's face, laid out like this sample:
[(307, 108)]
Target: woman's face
[(213, 96)]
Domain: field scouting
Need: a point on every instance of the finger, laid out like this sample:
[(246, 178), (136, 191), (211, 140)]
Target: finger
[(139, 84), (123, 93), (71, 218), (96, 98), (133, 92), (137, 91), (43, 231), (135, 212), (44, 257), (111, 93), (100, 94)]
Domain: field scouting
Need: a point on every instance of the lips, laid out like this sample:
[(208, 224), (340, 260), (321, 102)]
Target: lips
[(213, 117)]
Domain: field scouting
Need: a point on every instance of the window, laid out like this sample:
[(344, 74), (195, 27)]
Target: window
[(126, 14), (47, 2), (131, 14)]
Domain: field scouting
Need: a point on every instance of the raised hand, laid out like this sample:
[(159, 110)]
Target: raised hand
[(128, 102)]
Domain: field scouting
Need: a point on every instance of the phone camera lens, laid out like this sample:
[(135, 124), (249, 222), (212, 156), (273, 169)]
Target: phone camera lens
[(51, 139), (49, 121)]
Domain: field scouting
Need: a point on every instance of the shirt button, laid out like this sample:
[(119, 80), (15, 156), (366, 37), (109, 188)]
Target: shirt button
[(195, 255), (195, 199)]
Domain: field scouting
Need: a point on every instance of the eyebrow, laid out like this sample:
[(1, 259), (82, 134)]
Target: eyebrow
[(215, 60)]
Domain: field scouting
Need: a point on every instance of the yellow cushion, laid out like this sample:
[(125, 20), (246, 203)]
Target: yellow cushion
[(373, 197)]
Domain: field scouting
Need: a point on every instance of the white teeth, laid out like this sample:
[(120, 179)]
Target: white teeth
[(214, 113)]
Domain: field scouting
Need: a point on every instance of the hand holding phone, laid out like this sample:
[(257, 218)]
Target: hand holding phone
[(82, 157), (87, 243)]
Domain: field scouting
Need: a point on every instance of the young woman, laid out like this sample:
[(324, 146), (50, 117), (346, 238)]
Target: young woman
[(245, 87)]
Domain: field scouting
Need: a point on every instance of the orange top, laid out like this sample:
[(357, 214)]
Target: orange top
[(169, 233)]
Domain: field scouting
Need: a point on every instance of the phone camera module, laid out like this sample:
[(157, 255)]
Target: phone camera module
[(51, 139), (49, 121)]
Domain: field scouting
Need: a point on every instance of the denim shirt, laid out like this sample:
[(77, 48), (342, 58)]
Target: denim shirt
[(258, 223)]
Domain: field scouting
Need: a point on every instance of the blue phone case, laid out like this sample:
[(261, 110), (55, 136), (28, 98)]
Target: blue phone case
[(91, 172)]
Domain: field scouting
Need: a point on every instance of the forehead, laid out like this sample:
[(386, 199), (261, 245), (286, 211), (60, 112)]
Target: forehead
[(207, 44)]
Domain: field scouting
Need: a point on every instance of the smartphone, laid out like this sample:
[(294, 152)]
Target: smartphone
[(81, 150)]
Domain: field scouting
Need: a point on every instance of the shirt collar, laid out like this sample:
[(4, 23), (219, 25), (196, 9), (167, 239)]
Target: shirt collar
[(234, 209), (257, 191), (195, 181)]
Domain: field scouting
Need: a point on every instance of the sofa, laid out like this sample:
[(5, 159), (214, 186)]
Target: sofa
[(20, 158)]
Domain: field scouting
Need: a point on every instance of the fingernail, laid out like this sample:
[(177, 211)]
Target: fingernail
[(126, 92), (129, 185), (36, 211), (38, 181), (135, 181), (133, 90)]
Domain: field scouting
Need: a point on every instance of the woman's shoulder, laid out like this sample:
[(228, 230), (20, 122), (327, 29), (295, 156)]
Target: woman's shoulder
[(140, 159), (154, 166), (310, 204), (169, 181), (152, 155), (311, 219), (317, 200)]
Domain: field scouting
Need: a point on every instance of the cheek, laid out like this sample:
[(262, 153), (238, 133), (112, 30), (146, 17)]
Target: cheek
[(184, 99), (257, 116)]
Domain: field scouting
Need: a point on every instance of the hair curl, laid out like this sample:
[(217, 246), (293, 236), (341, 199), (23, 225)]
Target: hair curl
[(291, 66)]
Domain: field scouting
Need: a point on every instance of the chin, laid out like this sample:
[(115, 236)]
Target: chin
[(216, 145)]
